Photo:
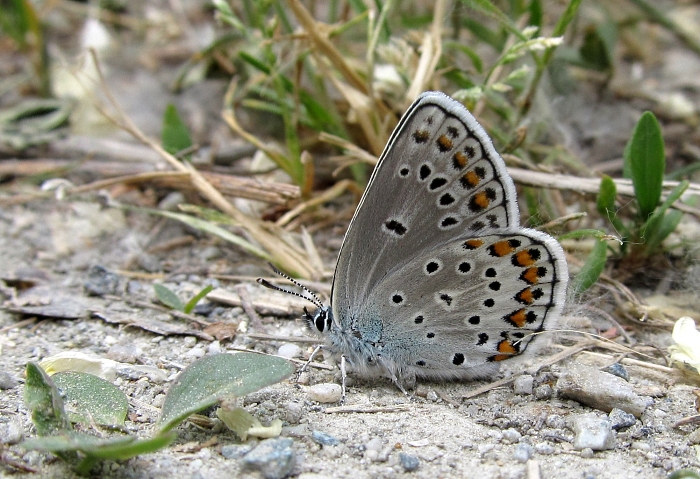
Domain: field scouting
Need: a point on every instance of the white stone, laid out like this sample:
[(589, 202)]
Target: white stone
[(324, 392)]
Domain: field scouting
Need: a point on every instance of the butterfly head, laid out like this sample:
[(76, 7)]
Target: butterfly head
[(321, 321)]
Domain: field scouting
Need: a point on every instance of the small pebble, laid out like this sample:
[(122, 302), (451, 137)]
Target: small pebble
[(196, 352), (408, 462), (289, 350), (324, 392), (543, 391), (11, 432), (621, 419), (592, 431), (324, 439), (511, 435), (274, 458), (294, 412), (618, 370), (544, 448), (587, 453), (235, 451), (523, 452), (431, 396), (523, 384), (7, 381), (214, 348)]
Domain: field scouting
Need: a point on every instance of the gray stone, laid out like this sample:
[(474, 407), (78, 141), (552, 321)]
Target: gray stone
[(523, 384), (523, 452), (235, 451), (11, 432), (7, 381), (544, 448), (324, 439), (621, 419), (408, 462), (274, 458), (324, 392), (618, 370), (294, 412), (511, 435), (591, 431), (543, 391), (600, 390)]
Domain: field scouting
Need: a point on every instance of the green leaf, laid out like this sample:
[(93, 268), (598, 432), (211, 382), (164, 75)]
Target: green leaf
[(684, 474), (198, 297), (655, 229), (44, 401), (96, 448), (606, 197), (213, 378), (168, 298), (591, 269), (175, 136), (89, 399), (645, 161), (588, 233)]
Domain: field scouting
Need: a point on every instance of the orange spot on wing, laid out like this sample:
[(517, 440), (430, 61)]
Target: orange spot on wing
[(531, 275), (502, 248), (473, 244), (524, 258), (506, 350), (471, 179), (444, 143), (519, 318), (460, 159), (525, 296), (481, 199)]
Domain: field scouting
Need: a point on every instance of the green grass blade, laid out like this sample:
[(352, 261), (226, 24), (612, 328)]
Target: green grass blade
[(175, 136), (591, 269), (198, 297)]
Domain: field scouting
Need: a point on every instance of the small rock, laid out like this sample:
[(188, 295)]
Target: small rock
[(7, 381), (324, 392), (544, 448), (592, 432), (523, 452), (543, 391), (618, 370), (511, 435), (600, 390), (621, 419), (100, 281), (408, 462), (587, 453), (214, 348), (235, 451), (374, 444), (274, 458), (324, 439), (294, 412), (196, 352), (11, 432), (289, 350), (694, 437), (523, 384), (431, 396)]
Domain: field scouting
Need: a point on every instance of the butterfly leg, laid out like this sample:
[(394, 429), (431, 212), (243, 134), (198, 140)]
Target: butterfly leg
[(343, 377), (311, 358), (393, 378)]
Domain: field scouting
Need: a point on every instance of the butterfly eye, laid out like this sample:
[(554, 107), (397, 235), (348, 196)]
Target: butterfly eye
[(320, 320)]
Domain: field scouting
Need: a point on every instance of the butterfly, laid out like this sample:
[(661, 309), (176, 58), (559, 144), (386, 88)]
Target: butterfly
[(436, 278)]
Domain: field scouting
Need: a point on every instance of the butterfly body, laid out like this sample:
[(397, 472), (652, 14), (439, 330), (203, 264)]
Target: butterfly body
[(436, 278)]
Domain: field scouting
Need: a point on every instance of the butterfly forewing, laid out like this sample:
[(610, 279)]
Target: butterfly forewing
[(439, 177)]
